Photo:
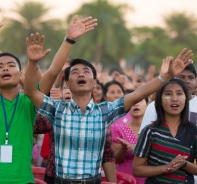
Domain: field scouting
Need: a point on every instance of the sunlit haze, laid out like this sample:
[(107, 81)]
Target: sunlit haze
[(146, 12)]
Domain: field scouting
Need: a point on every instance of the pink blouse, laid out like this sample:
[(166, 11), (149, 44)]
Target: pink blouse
[(122, 130)]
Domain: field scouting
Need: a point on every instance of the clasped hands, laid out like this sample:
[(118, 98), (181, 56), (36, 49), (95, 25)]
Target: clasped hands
[(175, 164)]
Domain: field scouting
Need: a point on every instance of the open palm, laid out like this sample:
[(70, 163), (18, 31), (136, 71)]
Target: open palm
[(79, 27), (35, 48), (178, 65)]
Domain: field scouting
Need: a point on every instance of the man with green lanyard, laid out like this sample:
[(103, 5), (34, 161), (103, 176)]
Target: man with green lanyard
[(17, 113)]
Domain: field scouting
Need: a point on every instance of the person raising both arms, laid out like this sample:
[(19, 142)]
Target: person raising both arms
[(42, 125), (80, 125)]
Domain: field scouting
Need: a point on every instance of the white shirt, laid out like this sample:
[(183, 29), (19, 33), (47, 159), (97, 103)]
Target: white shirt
[(150, 113)]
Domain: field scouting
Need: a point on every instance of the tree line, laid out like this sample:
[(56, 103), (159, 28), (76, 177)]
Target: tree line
[(110, 42)]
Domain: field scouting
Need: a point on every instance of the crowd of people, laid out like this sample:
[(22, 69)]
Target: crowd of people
[(94, 120)]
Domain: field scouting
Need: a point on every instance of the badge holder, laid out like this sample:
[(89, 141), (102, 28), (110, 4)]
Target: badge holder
[(6, 153)]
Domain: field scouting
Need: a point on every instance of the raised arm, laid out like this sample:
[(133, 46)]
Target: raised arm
[(165, 65), (175, 67), (34, 53), (76, 29)]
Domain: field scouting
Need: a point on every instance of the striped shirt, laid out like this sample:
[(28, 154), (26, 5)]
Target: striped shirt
[(160, 147), (80, 138)]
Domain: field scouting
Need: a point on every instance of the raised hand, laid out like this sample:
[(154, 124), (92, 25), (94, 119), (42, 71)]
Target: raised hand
[(178, 65), (79, 27), (165, 64), (55, 93), (35, 47)]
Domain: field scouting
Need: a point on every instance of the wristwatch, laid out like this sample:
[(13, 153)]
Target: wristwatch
[(69, 40)]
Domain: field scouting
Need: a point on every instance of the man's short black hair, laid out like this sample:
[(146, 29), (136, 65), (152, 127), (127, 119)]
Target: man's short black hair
[(66, 73), (78, 61), (191, 68), (13, 56)]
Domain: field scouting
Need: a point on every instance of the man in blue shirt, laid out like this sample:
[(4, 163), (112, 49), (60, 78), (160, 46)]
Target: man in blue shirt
[(80, 126)]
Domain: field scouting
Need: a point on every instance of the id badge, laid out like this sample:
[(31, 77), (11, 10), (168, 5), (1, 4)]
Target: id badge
[(6, 153)]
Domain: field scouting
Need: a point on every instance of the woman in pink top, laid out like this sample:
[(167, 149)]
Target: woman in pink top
[(125, 136)]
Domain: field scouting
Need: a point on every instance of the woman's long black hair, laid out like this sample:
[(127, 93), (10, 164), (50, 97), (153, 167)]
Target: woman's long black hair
[(158, 103)]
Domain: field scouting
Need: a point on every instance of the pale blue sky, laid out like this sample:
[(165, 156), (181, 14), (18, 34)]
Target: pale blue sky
[(147, 12)]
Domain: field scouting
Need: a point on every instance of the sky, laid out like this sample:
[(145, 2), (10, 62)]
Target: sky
[(146, 12)]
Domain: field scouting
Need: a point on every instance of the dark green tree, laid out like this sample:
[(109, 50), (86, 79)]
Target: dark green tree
[(151, 45), (30, 17), (110, 40), (182, 29), (154, 43)]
